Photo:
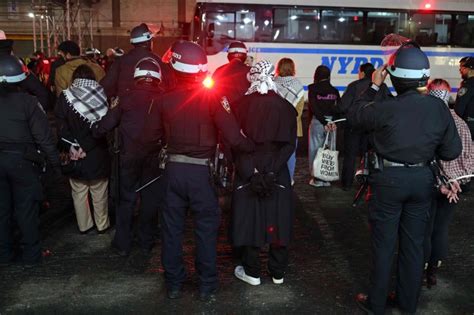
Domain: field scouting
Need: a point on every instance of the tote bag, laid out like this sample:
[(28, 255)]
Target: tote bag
[(325, 164)]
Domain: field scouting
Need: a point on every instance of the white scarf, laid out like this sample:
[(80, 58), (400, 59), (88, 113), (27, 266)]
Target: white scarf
[(260, 77), (290, 88), (88, 99)]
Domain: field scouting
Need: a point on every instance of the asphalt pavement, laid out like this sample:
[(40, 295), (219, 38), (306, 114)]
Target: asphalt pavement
[(329, 264)]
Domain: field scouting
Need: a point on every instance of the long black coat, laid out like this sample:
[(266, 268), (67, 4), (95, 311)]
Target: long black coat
[(96, 164), (269, 121)]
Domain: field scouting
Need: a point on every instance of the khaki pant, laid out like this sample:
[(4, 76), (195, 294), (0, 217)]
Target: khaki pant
[(99, 192)]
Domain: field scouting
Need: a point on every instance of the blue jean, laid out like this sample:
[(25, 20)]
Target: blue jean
[(316, 135), (292, 161)]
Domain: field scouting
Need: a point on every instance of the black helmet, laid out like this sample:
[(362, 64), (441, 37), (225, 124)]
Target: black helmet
[(188, 58), (147, 68), (11, 69), (467, 62), (237, 50), (140, 34), (409, 67)]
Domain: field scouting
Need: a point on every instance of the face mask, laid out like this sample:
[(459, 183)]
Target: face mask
[(441, 94)]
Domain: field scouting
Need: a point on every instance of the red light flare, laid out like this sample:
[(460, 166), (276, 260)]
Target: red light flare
[(208, 82), (427, 6)]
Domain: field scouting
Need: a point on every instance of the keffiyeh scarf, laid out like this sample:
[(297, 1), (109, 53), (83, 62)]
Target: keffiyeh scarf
[(260, 77), (88, 99), (441, 94), (290, 88)]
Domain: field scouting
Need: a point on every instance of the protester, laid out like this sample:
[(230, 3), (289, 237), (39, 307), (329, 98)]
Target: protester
[(291, 89), (79, 106), (262, 203), (72, 55), (323, 99), (442, 208)]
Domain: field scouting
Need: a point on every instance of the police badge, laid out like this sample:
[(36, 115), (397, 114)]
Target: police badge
[(225, 104), (462, 91)]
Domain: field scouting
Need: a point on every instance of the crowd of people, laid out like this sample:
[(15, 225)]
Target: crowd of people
[(166, 127)]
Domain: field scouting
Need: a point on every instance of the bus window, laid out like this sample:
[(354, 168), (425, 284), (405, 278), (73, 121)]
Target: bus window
[(464, 31), (429, 29), (382, 23), (220, 29), (342, 26), (295, 25), (245, 25)]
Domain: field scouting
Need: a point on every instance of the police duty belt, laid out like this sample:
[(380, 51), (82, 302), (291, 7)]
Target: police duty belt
[(180, 158)]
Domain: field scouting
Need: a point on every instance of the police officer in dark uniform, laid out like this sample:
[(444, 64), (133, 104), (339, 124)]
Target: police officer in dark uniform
[(406, 132), (119, 79), (355, 141), (465, 99), (31, 84), (24, 130), (189, 117), (137, 166), (231, 79)]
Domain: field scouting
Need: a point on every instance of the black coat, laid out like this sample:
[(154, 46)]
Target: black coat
[(231, 80), (465, 103), (119, 79), (410, 128), (24, 123), (323, 99), (269, 121), (71, 126)]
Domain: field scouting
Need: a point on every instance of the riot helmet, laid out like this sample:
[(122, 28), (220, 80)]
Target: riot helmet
[(11, 69), (409, 67), (148, 69), (188, 59), (237, 50), (140, 34)]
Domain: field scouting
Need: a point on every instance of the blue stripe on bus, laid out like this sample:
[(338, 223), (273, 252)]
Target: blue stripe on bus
[(349, 51), (342, 88)]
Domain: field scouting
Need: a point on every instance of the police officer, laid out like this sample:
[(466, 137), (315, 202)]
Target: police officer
[(119, 79), (355, 141), (406, 132), (31, 84), (231, 79), (465, 99), (189, 117), (24, 129), (137, 166)]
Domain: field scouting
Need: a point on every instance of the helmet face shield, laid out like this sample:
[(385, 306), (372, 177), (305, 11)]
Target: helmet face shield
[(408, 67), (11, 70), (147, 68), (187, 58)]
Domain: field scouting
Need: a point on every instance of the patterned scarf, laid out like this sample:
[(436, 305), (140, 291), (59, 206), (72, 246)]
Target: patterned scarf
[(290, 88), (88, 99), (260, 77), (441, 94)]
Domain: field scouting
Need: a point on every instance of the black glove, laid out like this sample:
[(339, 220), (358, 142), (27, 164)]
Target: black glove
[(270, 180), (257, 184)]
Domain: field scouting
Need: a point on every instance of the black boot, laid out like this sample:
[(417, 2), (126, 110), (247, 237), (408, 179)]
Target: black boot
[(431, 275)]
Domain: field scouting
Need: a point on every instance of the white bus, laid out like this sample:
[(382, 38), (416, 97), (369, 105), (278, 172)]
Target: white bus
[(342, 34)]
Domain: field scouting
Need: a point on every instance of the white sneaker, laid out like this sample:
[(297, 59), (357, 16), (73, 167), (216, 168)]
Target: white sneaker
[(277, 281), (239, 272), (327, 184), (316, 183)]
